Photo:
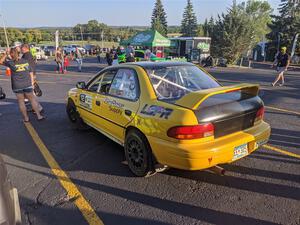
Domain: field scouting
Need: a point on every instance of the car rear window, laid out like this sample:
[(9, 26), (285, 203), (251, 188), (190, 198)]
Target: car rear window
[(174, 82)]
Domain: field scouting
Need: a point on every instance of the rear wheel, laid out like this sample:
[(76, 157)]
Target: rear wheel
[(138, 154), (74, 116)]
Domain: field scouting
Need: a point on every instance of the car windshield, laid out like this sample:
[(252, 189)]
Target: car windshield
[(173, 82)]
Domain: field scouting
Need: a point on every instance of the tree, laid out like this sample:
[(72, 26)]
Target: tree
[(189, 21), (285, 26), (235, 33), (208, 27), (159, 18), (232, 34)]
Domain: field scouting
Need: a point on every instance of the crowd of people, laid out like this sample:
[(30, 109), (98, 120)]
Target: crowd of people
[(63, 60), (112, 55)]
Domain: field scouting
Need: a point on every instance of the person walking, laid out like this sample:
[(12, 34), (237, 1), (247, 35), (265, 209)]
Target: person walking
[(109, 57), (27, 55), (129, 51), (78, 58), (282, 60), (59, 60), (148, 54), (21, 81)]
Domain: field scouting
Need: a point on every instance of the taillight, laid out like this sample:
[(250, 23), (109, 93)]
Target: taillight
[(260, 114), (192, 132)]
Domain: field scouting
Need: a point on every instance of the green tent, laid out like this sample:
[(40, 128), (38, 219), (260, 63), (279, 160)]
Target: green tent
[(150, 38)]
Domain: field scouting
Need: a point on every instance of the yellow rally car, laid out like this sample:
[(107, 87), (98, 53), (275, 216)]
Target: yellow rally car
[(170, 113)]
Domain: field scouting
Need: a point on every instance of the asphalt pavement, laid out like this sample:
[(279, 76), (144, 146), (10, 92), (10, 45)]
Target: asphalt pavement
[(263, 188)]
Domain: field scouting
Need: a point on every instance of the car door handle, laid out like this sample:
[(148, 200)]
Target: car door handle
[(128, 112), (98, 103)]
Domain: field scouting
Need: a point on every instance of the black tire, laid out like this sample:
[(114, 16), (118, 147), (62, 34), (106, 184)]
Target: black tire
[(74, 116), (138, 154)]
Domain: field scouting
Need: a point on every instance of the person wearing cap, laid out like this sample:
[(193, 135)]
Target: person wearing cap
[(27, 55), (21, 81), (282, 60), (17, 45)]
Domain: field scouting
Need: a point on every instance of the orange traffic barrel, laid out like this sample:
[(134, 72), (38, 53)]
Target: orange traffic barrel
[(8, 71)]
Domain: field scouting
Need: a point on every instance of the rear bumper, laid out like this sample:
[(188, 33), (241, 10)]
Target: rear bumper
[(197, 156)]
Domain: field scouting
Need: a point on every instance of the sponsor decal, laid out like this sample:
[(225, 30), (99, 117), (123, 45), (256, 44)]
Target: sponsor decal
[(113, 103), (154, 110), (86, 101), (115, 110), (142, 38), (203, 46)]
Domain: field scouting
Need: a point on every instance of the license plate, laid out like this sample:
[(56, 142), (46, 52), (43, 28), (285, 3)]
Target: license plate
[(240, 151)]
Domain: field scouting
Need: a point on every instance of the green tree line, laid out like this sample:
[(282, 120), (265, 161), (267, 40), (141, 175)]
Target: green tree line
[(93, 30)]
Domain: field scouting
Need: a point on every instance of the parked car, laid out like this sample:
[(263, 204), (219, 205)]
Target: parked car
[(90, 49), (172, 114), (40, 54), (139, 55), (9, 201), (49, 50), (72, 48)]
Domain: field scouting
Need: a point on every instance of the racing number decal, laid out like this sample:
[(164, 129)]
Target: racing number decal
[(86, 101)]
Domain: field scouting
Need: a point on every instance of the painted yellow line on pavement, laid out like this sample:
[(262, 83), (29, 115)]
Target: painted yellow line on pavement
[(281, 151), (283, 110), (71, 189)]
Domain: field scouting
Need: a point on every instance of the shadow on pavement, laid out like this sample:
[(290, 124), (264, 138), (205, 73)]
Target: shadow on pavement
[(61, 215)]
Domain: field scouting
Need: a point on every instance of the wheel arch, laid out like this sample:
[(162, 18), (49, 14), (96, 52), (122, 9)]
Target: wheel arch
[(132, 128)]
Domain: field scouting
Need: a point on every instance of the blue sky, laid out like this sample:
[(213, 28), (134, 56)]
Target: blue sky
[(34, 13)]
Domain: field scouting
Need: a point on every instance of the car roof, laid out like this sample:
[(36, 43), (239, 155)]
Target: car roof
[(147, 65)]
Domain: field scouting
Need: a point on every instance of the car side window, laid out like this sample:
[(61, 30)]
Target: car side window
[(103, 80), (106, 81), (125, 84), (93, 87)]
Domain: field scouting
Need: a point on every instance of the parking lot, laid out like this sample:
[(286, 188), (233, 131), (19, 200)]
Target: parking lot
[(263, 188)]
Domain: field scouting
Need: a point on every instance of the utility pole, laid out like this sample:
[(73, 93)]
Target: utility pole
[(7, 43)]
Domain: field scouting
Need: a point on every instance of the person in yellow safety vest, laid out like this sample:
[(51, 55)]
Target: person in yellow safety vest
[(33, 52)]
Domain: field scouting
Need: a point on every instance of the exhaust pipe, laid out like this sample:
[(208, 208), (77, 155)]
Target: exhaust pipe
[(217, 170)]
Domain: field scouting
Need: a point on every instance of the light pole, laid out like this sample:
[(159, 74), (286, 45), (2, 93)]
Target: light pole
[(81, 37), (294, 45), (102, 39)]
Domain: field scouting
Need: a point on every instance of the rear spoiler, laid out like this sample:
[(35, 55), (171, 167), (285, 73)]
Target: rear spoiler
[(194, 99)]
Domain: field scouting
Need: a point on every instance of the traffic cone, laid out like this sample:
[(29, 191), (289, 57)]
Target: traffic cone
[(8, 71)]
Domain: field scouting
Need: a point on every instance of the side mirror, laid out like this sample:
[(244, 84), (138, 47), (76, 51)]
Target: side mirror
[(81, 85)]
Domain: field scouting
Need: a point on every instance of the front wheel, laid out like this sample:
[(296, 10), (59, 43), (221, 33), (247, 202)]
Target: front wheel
[(138, 154), (74, 116)]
